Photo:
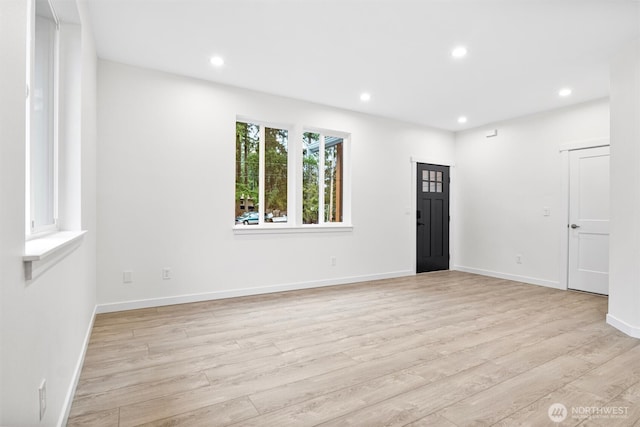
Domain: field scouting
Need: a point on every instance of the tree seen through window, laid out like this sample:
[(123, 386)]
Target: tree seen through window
[(248, 194)]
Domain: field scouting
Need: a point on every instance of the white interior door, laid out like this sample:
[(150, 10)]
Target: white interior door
[(589, 220)]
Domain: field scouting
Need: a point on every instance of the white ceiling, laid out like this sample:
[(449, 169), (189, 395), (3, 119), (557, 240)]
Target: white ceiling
[(521, 52)]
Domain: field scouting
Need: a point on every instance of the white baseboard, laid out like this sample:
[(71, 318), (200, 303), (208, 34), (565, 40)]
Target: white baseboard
[(68, 400), (621, 325), (182, 299), (514, 277)]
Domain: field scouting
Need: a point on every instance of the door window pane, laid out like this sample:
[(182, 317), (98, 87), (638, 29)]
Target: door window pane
[(432, 181)]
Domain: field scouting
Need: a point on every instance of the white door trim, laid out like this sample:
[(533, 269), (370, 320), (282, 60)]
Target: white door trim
[(585, 143), (564, 206)]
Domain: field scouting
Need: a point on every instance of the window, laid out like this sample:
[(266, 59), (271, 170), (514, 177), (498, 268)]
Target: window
[(275, 174), (275, 186), (322, 161), (261, 174), (42, 113), (333, 159), (431, 181), (247, 161), (310, 177)]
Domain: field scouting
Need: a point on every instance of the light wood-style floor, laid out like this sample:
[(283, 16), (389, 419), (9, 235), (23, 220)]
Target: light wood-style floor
[(438, 349)]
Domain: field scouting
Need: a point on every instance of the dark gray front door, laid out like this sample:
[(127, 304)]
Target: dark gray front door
[(432, 216)]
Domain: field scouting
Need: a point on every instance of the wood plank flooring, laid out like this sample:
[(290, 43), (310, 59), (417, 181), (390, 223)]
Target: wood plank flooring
[(437, 349)]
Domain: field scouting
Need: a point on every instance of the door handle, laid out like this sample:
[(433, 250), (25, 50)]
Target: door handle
[(420, 223), (574, 226)]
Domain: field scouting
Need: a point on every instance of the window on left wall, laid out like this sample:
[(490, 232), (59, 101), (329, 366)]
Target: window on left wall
[(42, 128)]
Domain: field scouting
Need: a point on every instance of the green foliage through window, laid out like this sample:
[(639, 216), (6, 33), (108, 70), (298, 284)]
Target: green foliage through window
[(247, 164), (333, 159), (275, 174), (262, 194), (310, 177), (248, 172)]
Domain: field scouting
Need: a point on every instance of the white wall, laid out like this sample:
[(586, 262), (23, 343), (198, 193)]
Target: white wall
[(166, 193), (505, 182), (44, 323), (624, 255)]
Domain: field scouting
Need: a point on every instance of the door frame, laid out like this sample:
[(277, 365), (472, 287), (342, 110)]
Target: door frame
[(411, 210), (565, 148)]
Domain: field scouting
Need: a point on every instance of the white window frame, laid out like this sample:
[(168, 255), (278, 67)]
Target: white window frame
[(294, 182), (346, 177), (33, 230), (261, 171)]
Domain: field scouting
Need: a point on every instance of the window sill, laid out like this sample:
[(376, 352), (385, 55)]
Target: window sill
[(284, 229), (48, 247)]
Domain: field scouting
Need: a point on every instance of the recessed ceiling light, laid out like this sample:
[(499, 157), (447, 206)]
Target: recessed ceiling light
[(217, 61), (365, 97), (564, 92), (459, 52), (462, 119)]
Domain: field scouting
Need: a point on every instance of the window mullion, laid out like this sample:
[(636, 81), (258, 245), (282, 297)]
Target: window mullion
[(321, 181), (294, 177), (261, 175)]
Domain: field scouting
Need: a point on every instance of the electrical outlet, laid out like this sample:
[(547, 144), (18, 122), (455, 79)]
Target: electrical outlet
[(127, 276), (518, 259), (166, 273), (333, 261), (42, 394)]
